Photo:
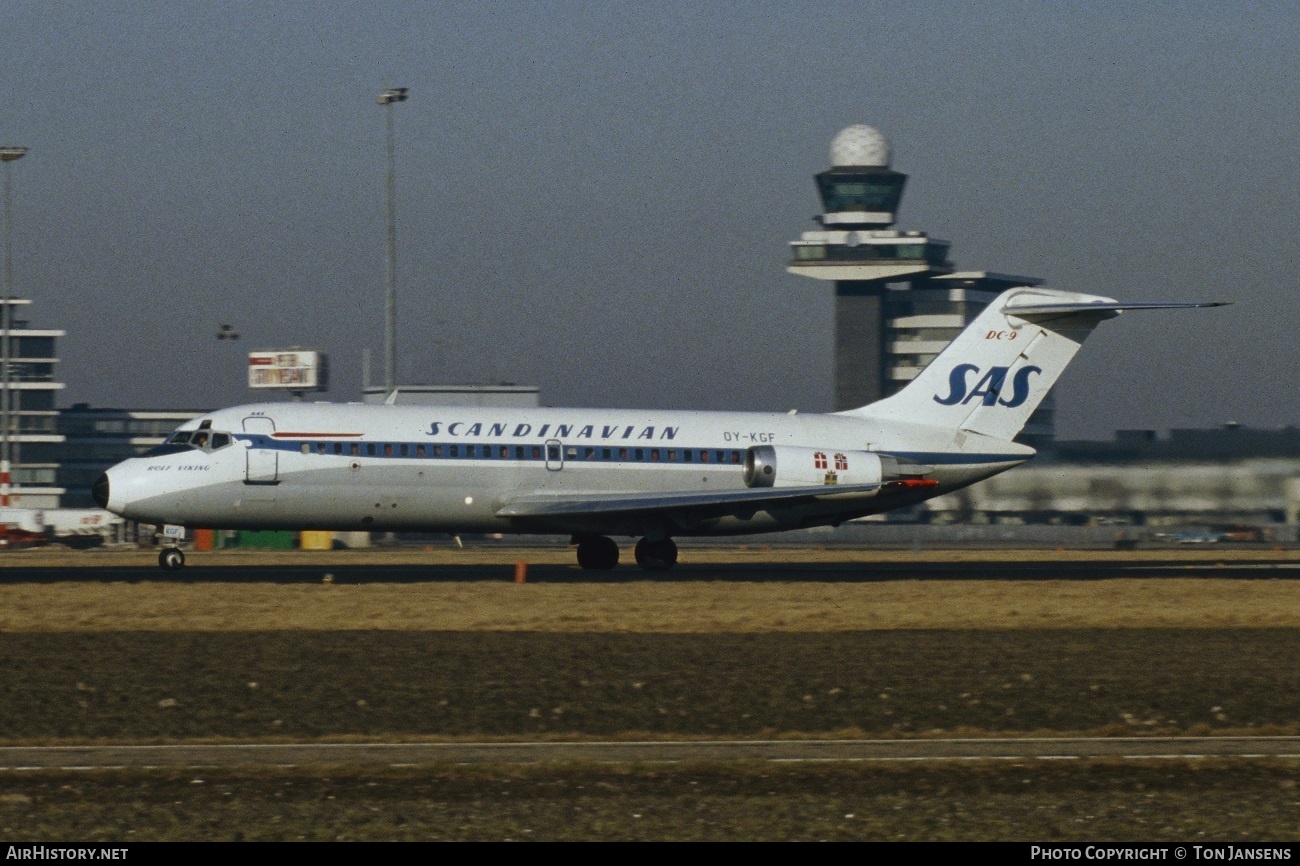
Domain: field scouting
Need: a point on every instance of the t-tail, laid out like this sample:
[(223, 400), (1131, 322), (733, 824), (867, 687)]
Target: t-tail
[(992, 377)]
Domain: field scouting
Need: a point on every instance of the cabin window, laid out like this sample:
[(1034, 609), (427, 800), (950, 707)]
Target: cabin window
[(370, 449), (654, 454), (356, 449), (305, 448), (419, 450), (640, 454), (453, 450), (622, 454), (537, 452), (704, 456), (605, 453), (735, 457), (388, 450)]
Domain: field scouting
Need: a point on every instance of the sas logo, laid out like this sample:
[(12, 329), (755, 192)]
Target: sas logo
[(989, 388)]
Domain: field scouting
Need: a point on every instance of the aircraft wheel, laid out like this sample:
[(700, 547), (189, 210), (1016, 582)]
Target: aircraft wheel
[(171, 558), (597, 552), (658, 555)]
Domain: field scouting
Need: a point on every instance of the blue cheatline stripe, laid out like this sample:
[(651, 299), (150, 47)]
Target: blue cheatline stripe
[(487, 451)]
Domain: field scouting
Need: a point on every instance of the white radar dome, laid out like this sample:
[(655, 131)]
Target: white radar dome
[(859, 145)]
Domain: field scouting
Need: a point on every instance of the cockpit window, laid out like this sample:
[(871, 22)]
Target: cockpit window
[(185, 440), (166, 448)]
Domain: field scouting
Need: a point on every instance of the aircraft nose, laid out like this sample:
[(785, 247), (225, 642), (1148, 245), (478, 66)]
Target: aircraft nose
[(99, 492)]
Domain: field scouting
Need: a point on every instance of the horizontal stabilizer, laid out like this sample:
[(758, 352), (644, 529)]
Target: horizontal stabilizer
[(1111, 307)]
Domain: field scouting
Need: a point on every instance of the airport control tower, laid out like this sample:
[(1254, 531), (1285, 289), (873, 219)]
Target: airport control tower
[(898, 299)]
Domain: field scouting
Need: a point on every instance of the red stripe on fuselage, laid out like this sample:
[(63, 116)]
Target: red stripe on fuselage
[(316, 435)]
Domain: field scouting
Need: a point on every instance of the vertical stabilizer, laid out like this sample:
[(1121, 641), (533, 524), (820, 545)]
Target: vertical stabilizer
[(993, 376)]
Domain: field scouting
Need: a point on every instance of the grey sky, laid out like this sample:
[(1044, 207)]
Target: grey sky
[(597, 197)]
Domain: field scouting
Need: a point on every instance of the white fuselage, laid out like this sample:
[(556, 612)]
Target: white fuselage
[(452, 469), (595, 473)]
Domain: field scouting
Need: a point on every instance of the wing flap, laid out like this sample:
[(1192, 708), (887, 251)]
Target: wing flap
[(701, 503)]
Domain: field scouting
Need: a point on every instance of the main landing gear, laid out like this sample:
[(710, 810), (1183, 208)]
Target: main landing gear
[(657, 555), (171, 559), (598, 553)]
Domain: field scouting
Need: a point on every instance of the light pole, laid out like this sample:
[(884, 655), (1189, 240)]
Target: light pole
[(388, 98), (7, 156)]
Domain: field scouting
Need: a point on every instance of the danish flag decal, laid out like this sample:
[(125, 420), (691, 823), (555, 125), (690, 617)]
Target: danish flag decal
[(989, 388)]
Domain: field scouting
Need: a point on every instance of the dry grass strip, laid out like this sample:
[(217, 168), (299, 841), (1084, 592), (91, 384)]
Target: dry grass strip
[(646, 607)]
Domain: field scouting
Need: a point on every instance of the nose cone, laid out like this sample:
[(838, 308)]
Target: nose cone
[(99, 492), (114, 489)]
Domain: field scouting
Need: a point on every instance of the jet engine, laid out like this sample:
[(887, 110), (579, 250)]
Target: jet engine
[(787, 466)]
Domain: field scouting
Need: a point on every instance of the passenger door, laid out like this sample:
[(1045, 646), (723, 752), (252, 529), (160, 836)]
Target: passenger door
[(263, 464)]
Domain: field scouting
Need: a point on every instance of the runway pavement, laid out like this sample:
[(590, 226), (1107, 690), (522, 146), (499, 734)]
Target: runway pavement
[(407, 754), (771, 568)]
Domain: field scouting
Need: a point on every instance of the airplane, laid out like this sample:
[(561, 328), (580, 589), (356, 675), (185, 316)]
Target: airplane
[(593, 474)]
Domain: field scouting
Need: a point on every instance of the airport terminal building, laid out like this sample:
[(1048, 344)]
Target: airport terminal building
[(1233, 476), (32, 441)]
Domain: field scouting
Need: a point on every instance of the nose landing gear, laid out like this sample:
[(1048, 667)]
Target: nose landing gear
[(171, 559)]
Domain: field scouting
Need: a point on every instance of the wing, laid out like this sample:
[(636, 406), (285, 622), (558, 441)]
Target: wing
[(682, 509)]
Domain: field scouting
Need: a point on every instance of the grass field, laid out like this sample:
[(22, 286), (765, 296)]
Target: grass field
[(634, 603), (84, 661)]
